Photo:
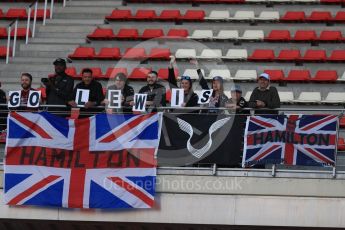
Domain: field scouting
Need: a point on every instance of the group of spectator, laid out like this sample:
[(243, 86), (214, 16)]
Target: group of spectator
[(60, 90)]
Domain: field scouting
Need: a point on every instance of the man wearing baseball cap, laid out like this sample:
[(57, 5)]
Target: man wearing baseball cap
[(237, 101), (264, 96), (59, 87)]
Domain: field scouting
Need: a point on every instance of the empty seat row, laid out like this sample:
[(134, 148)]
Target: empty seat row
[(240, 1), (166, 15), (21, 13), (241, 15), (21, 32), (114, 53), (288, 55), (252, 35)]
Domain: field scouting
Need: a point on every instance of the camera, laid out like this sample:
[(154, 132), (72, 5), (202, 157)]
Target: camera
[(44, 80)]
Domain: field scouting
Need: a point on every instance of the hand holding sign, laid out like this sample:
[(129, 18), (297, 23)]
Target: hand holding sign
[(205, 96), (177, 97), (82, 97), (139, 102)]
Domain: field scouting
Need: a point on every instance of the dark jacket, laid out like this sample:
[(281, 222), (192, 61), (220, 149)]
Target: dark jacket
[(96, 92), (128, 93), (59, 89), (190, 98), (2, 97), (222, 100), (155, 94), (269, 96), (242, 103)]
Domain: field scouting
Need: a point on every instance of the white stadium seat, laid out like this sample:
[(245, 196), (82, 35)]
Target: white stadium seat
[(224, 73), (269, 15), (192, 73), (309, 97), (246, 75), (236, 54), (218, 15), (185, 53), (286, 97), (227, 35), (342, 78), (334, 98), (211, 54), (243, 15), (202, 34), (253, 35)]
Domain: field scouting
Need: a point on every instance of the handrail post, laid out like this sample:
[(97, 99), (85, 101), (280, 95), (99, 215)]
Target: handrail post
[(45, 12), (51, 8), (8, 44), (35, 18), (28, 26), (15, 38), (64, 3)]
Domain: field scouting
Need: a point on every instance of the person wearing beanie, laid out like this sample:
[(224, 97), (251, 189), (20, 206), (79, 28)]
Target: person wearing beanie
[(190, 98), (236, 101), (59, 87), (127, 92), (155, 91), (218, 98), (264, 96)]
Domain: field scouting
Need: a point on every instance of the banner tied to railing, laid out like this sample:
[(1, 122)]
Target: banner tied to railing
[(290, 140)]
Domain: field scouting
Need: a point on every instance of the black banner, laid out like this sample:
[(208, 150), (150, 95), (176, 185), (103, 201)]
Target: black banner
[(187, 139)]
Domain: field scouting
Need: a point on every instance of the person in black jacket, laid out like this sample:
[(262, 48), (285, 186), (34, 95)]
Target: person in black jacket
[(155, 92), (237, 102), (96, 95), (264, 96), (190, 98), (127, 92), (59, 87), (3, 109)]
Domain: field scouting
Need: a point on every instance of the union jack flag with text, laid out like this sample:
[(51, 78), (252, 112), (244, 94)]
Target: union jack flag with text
[(290, 140), (105, 161)]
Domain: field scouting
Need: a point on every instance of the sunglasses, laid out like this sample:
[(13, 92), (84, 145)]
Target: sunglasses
[(185, 78)]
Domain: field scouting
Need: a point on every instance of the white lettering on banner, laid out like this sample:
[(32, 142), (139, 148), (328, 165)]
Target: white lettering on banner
[(205, 96), (14, 99), (82, 97), (139, 102), (114, 98), (177, 97)]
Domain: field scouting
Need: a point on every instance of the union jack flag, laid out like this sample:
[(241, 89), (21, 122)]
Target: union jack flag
[(105, 161), (290, 139)]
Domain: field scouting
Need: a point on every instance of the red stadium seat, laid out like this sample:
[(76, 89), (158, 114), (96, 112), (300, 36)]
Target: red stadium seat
[(331, 1), (169, 15), (305, 35), (275, 75), (298, 75), (3, 51), (160, 53), (2, 15), (96, 72), (43, 92), (119, 15), (314, 55), (339, 17), (168, 95), (326, 75), (194, 15), (319, 16), (19, 13), (21, 33), (262, 55), (3, 32), (164, 73), (139, 73), (71, 71), (341, 144), (127, 34), (293, 16), (278, 35), (144, 15), (102, 33), (337, 56), (40, 14), (135, 53), (111, 72), (112, 53), (83, 53), (330, 36), (152, 33), (178, 33), (289, 55)]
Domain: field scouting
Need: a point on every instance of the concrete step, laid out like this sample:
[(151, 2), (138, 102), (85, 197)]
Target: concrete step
[(47, 47), (100, 10), (75, 41), (61, 35), (94, 3), (46, 54), (68, 21), (36, 60), (27, 67), (66, 29)]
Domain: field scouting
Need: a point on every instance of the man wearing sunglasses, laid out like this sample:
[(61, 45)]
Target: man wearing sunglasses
[(190, 98)]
